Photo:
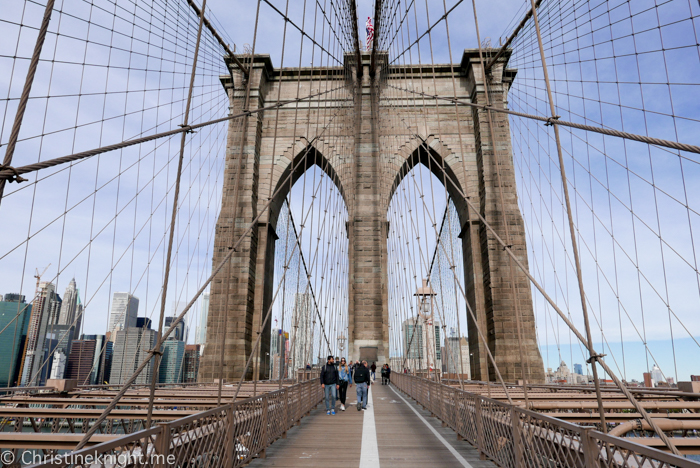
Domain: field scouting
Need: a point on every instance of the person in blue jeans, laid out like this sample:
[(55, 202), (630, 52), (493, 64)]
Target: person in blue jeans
[(330, 383), (361, 376), (345, 381)]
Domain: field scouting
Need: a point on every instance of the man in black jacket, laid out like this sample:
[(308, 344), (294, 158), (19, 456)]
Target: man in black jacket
[(330, 382), (361, 381)]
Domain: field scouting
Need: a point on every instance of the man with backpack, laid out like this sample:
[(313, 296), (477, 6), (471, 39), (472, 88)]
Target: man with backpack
[(362, 379), (330, 382)]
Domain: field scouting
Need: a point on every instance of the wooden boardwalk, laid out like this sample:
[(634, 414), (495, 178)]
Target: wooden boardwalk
[(406, 436)]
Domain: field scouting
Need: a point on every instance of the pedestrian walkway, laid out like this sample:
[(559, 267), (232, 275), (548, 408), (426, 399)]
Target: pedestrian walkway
[(392, 432)]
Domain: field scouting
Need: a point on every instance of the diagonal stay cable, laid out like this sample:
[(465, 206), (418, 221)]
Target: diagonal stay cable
[(549, 121), (10, 173)]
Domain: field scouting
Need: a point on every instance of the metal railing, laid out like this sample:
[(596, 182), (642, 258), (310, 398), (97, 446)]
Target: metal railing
[(230, 435), (514, 437)]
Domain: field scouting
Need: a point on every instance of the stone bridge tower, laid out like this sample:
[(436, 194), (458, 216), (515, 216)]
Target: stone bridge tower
[(271, 144)]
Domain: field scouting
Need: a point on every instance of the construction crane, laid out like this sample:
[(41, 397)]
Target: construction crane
[(31, 318)]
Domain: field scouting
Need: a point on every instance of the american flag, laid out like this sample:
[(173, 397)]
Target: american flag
[(370, 32)]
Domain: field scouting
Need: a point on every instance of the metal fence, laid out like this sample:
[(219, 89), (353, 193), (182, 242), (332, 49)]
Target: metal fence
[(230, 435), (515, 437)]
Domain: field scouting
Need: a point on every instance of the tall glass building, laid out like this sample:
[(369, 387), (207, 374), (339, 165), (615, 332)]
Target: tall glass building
[(13, 338), (170, 367)]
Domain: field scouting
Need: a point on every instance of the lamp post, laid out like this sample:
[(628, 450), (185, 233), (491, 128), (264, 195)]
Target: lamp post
[(341, 343), (425, 295)]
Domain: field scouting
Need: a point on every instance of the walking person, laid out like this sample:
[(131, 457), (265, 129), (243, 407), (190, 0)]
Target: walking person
[(383, 372), (330, 382), (345, 375), (388, 374), (374, 371), (362, 379)]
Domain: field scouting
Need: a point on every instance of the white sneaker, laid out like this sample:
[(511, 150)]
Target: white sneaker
[(342, 407)]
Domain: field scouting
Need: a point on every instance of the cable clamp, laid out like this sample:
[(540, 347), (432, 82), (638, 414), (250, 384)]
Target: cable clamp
[(508, 247), (550, 120), (595, 357), (187, 127), (155, 351), (15, 174)]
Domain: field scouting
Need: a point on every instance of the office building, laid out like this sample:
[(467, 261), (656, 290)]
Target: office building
[(455, 358), (578, 369), (143, 322), (85, 360), (125, 308), (106, 363), (36, 334), (421, 344), (190, 365), (131, 347), (180, 332), (58, 364), (170, 367), (14, 319), (278, 353), (81, 361), (301, 335)]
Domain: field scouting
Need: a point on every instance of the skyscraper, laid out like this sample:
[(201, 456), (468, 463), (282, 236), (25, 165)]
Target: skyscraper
[(278, 353), (85, 362), (36, 333), (201, 332), (191, 363), (180, 332), (421, 342), (170, 367), (14, 318), (81, 361), (71, 312), (301, 335), (453, 362), (69, 305), (125, 308), (131, 346)]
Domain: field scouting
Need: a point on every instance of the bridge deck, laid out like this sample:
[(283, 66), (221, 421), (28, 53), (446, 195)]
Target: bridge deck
[(393, 432)]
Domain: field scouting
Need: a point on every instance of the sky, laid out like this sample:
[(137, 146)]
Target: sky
[(104, 221)]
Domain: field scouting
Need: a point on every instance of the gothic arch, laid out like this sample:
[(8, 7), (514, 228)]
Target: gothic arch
[(435, 156), (305, 156)]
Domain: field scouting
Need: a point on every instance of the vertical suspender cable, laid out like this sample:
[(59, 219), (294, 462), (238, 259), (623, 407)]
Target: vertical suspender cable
[(157, 353), (33, 64)]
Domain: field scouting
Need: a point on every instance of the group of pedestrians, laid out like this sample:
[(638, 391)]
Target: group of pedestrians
[(337, 375)]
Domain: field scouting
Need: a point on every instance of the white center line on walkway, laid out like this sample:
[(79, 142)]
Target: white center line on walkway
[(452, 450), (369, 453)]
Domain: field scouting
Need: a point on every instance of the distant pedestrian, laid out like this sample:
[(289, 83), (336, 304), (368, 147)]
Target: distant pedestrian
[(345, 374), (330, 382), (362, 381), (308, 367), (374, 371), (385, 379)]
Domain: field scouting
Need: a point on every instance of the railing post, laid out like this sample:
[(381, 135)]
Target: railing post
[(265, 436), (518, 460), (162, 446), (589, 449), (231, 439), (287, 422), (479, 429)]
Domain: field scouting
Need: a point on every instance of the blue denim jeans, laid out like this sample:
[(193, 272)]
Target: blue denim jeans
[(329, 391), (362, 393)]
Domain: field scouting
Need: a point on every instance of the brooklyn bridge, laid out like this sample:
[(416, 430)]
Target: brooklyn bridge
[(368, 233)]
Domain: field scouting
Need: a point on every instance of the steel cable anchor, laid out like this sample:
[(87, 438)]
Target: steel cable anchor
[(15, 177)]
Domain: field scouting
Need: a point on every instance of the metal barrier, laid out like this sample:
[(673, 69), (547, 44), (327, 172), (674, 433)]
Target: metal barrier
[(230, 435), (514, 437)]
